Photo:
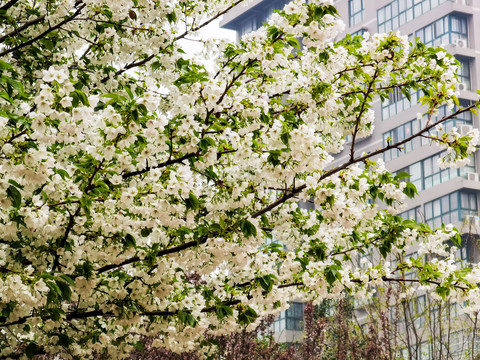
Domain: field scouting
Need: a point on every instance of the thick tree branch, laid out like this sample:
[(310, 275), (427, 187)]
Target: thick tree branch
[(21, 28), (360, 113), (161, 165), (300, 188), (42, 35), (150, 57), (8, 5)]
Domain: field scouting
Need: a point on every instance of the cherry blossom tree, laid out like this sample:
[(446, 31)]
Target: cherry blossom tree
[(144, 195)]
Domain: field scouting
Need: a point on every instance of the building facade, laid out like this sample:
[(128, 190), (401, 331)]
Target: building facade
[(445, 195)]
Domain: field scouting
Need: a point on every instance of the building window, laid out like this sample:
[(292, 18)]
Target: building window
[(446, 30), (355, 11), (464, 118), (294, 316), (364, 260), (412, 214), (290, 319), (450, 208), (261, 14), (433, 175), (463, 74), (417, 310), (398, 102), (427, 173), (399, 12), (279, 323), (248, 25), (398, 134), (359, 32)]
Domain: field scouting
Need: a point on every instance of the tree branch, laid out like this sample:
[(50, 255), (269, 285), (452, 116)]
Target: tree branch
[(360, 113), (9, 4), (21, 28), (299, 189), (150, 57), (42, 35)]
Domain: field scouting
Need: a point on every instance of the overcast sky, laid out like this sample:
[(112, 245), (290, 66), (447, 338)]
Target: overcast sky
[(211, 31)]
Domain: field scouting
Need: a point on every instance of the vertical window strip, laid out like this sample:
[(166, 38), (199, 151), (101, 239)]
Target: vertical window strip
[(400, 12), (355, 11), (450, 208), (446, 30)]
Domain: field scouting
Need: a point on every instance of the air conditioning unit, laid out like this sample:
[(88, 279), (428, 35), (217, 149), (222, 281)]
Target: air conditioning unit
[(473, 220), (472, 176), (464, 129), (462, 43), (461, 87)]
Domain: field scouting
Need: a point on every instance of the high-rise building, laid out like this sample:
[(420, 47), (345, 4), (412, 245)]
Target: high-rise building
[(445, 195)]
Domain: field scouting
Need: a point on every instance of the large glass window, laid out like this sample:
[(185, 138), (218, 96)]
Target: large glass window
[(355, 11), (294, 316), (463, 74), (399, 12), (464, 118), (446, 30), (405, 130), (398, 134), (290, 319), (450, 208), (261, 14), (248, 25), (427, 173), (412, 214), (397, 102)]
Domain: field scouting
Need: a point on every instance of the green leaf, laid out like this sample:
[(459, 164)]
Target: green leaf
[(64, 340), (192, 202), (14, 183), (410, 190), (205, 143), (54, 288), (62, 173), (129, 241), (129, 91), (68, 279), (83, 98), (5, 66), (402, 175), (285, 137), (145, 232), (273, 157), (65, 290), (15, 195), (247, 316), (139, 346), (223, 311), (187, 318), (248, 228), (332, 273), (266, 282), (32, 349)]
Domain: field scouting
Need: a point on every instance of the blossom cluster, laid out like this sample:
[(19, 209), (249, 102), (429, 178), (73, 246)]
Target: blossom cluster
[(146, 195)]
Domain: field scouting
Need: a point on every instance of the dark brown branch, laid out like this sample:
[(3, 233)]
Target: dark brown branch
[(9, 4), (150, 57), (42, 35), (360, 113), (161, 165), (171, 162), (159, 253), (16, 136), (71, 220), (299, 189), (21, 28)]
